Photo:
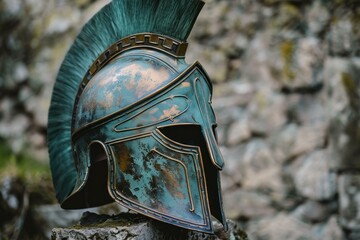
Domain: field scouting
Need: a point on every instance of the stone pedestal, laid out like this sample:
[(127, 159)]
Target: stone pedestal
[(135, 226)]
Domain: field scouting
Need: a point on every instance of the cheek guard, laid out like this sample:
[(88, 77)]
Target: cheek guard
[(164, 180)]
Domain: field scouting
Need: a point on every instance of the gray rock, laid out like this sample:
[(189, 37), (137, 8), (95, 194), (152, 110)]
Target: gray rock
[(11, 8), (336, 93), (353, 235), (214, 61), (267, 112), (6, 108), (226, 116), (25, 94), (349, 200), (258, 65), (55, 217), (312, 177), (282, 142), (309, 109), (288, 16), (233, 94), (269, 180), (20, 73), (257, 155), (298, 62), (40, 154), (10, 80), (245, 16), (33, 9), (14, 206), (234, 173), (286, 147), (62, 20), (253, 167), (342, 37), (344, 128), (317, 17), (345, 142), (210, 26), (247, 204), (36, 138), (280, 226), (239, 131), (233, 169), (134, 226), (331, 230), (313, 211), (227, 183), (305, 65), (82, 3), (221, 134), (39, 106), (308, 138), (13, 130)]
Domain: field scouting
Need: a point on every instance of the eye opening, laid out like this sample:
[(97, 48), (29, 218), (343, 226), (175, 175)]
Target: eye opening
[(214, 126), (97, 152), (188, 134), (95, 192), (76, 159)]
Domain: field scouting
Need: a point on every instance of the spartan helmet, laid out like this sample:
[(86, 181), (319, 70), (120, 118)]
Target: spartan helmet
[(137, 127)]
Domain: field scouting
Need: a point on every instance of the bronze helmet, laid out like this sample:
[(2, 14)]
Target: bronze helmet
[(141, 130)]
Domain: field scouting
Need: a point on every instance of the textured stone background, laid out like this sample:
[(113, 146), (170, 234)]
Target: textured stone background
[(286, 93)]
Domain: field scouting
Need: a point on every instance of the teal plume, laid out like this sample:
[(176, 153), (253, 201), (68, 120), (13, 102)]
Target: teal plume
[(118, 19)]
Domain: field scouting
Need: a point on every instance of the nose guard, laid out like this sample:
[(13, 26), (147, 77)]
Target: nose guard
[(207, 119)]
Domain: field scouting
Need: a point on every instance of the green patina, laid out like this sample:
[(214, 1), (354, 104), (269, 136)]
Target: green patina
[(351, 89), (287, 49), (121, 220)]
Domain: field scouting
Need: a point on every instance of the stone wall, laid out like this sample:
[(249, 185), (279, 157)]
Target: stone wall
[(286, 94)]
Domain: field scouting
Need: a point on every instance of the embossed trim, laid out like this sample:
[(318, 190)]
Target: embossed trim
[(177, 145), (192, 208), (171, 118), (163, 43), (206, 133)]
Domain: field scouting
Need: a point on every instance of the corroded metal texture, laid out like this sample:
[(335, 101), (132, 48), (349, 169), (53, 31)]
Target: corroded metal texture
[(146, 119)]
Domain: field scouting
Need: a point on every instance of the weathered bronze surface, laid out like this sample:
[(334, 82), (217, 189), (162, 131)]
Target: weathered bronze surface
[(146, 120)]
